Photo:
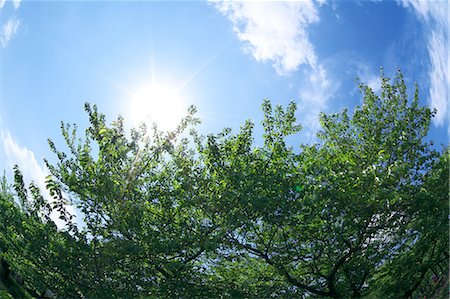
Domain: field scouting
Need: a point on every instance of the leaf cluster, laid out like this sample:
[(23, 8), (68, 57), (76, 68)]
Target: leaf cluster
[(361, 213)]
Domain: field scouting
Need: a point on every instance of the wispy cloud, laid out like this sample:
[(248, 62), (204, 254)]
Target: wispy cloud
[(366, 74), (274, 31), (24, 158), (8, 30), (278, 32), (439, 76), (374, 82), (31, 170), (315, 95), (16, 3), (434, 15)]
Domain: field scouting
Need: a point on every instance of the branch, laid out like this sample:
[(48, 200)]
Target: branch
[(332, 277), (282, 270)]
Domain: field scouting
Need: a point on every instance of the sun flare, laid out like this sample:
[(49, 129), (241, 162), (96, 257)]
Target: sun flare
[(155, 103)]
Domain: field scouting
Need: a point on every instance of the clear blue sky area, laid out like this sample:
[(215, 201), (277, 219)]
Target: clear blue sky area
[(149, 60)]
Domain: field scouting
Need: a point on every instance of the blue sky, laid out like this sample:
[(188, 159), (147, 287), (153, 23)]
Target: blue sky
[(223, 57)]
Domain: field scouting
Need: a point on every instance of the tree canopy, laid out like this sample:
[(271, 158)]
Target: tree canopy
[(363, 212)]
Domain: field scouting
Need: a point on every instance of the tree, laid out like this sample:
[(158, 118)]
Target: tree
[(422, 266), (338, 215), (31, 245), (145, 229), (361, 213)]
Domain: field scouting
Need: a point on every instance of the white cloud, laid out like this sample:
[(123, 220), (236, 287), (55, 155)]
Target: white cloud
[(439, 76), (434, 15), (429, 10), (24, 158), (374, 82), (16, 3), (8, 30), (31, 170), (367, 76), (317, 90), (274, 31)]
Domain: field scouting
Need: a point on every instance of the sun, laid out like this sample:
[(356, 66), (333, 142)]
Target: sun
[(156, 103)]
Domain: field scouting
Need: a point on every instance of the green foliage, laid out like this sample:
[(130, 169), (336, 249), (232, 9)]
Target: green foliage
[(361, 213), (10, 289)]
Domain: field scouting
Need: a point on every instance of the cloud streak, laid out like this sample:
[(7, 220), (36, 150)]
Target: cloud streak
[(25, 159), (314, 96), (274, 31), (8, 30), (16, 4), (31, 170), (434, 16), (277, 32)]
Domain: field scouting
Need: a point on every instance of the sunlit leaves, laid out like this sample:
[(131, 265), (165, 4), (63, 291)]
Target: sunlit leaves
[(364, 212)]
